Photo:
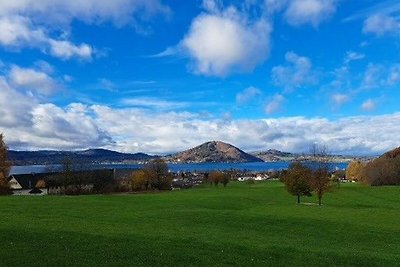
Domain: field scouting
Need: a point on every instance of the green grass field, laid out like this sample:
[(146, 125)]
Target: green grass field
[(245, 225)]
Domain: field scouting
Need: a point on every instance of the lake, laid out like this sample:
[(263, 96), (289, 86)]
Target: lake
[(253, 166)]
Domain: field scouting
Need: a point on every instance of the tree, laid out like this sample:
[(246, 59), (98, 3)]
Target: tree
[(5, 167), (158, 174), (354, 171), (217, 177), (297, 180), (140, 180), (320, 181), (214, 178), (40, 184)]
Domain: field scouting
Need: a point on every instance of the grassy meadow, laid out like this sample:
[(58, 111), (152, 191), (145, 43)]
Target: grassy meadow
[(244, 225)]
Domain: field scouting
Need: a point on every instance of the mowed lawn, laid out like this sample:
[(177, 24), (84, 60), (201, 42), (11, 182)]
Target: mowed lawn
[(244, 225)]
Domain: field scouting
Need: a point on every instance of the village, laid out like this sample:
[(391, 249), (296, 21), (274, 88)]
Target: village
[(113, 181)]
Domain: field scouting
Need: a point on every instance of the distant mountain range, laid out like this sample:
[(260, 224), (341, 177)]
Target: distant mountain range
[(45, 157), (214, 151), (274, 155)]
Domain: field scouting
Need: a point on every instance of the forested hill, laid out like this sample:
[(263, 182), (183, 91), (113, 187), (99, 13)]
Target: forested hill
[(90, 156), (214, 151)]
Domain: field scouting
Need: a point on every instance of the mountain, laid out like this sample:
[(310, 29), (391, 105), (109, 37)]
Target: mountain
[(274, 155), (91, 155), (214, 151)]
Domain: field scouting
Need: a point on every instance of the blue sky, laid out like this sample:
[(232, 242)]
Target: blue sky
[(161, 76)]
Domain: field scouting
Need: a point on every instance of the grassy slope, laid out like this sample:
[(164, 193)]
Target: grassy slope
[(241, 224)]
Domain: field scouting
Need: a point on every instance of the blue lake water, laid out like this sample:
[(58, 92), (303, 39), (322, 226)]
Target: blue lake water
[(253, 166)]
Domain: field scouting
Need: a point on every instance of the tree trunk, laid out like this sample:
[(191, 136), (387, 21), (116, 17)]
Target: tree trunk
[(319, 201), (298, 199)]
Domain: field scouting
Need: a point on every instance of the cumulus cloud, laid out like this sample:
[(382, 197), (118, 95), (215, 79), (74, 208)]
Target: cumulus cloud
[(29, 123), (312, 12), (141, 132), (79, 126), (224, 40), (36, 24), (17, 32), (381, 24), (297, 73), (66, 50), (247, 95), (70, 127), (32, 80), (14, 106)]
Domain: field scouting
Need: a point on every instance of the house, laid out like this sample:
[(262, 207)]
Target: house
[(261, 177), (25, 184)]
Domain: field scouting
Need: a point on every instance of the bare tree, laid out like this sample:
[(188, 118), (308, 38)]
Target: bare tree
[(320, 165)]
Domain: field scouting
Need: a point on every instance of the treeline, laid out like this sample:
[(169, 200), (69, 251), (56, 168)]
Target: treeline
[(156, 176), (384, 170)]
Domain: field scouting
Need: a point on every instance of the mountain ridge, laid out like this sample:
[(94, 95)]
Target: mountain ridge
[(213, 151), (97, 155)]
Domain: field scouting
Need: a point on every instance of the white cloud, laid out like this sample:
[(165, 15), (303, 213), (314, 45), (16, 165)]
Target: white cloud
[(70, 127), (37, 24), (297, 73), (28, 124), (32, 80), (309, 11), (368, 105), (14, 106), (66, 50), (17, 32), (381, 24), (247, 95), (89, 11), (222, 41), (275, 104)]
